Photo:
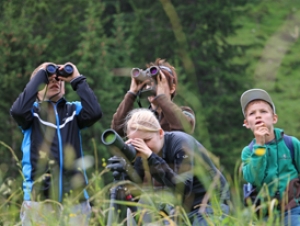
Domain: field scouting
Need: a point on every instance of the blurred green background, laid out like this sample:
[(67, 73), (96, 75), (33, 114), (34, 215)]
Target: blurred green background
[(219, 48)]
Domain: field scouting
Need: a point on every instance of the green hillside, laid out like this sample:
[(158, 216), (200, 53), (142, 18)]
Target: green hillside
[(273, 28)]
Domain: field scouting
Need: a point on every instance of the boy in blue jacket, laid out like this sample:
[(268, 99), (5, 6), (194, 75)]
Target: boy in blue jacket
[(269, 161), (52, 163)]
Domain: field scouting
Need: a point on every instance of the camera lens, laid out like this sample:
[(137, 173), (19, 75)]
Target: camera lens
[(51, 69)]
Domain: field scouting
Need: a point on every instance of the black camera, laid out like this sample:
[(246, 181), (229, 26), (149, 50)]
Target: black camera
[(54, 69), (142, 75), (110, 137)]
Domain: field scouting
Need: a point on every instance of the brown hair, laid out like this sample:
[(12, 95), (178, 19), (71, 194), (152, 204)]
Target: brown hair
[(170, 75), (38, 68)]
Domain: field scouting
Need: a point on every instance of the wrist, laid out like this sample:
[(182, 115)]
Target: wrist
[(132, 92), (259, 150)]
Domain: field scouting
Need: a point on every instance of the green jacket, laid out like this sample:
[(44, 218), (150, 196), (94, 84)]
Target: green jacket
[(275, 165)]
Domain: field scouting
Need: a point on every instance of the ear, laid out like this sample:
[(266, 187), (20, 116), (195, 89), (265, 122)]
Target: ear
[(275, 119), (246, 124), (161, 133), (173, 88)]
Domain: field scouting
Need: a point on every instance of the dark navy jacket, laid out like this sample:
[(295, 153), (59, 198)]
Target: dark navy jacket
[(184, 167), (52, 145)]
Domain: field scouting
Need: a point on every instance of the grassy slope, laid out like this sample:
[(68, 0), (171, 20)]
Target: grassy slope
[(273, 26)]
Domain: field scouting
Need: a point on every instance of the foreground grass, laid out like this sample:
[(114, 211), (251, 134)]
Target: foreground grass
[(11, 198)]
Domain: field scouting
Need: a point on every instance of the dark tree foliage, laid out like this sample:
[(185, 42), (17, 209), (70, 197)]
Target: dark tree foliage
[(102, 36)]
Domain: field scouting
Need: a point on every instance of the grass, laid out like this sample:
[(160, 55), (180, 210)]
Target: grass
[(101, 198)]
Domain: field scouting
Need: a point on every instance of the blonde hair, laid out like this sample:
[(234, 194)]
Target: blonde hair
[(142, 119)]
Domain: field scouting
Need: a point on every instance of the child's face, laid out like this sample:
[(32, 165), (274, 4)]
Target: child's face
[(259, 112), (54, 91)]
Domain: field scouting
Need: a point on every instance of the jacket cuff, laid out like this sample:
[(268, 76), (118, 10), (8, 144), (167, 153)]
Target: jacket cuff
[(74, 82), (259, 150)]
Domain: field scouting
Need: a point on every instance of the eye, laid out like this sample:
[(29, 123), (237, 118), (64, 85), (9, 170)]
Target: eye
[(146, 140)]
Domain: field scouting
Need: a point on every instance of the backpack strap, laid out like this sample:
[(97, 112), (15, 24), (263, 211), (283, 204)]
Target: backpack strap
[(251, 145), (289, 143)]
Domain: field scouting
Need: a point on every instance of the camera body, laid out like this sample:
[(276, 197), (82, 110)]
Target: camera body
[(54, 69)]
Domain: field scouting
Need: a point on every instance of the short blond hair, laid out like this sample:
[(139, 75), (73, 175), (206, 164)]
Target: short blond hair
[(142, 119)]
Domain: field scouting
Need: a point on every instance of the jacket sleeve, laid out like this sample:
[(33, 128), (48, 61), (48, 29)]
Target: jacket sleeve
[(176, 172), (119, 116), (21, 109), (180, 119), (181, 177), (254, 166), (91, 110)]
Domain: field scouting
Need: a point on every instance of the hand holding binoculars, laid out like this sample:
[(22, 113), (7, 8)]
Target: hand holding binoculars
[(54, 69)]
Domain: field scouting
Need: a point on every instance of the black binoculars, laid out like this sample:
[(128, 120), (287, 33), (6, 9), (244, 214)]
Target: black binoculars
[(65, 72), (142, 75), (110, 137)]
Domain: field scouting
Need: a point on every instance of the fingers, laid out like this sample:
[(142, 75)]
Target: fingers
[(260, 133), (262, 129), (162, 76)]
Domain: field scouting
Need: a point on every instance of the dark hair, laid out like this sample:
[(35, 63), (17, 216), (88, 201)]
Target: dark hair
[(170, 74)]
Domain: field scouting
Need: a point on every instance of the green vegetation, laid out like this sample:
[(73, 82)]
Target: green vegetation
[(219, 49)]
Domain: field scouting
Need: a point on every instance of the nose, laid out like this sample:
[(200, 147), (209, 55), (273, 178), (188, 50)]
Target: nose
[(52, 78), (257, 115)]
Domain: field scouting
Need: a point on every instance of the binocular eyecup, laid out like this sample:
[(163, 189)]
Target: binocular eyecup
[(54, 69), (111, 138), (142, 75)]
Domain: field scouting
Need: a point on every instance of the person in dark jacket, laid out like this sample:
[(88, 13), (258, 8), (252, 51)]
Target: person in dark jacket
[(52, 162), (177, 163), (171, 117)]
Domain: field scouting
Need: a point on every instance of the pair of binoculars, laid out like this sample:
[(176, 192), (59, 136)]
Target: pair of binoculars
[(142, 75), (54, 69)]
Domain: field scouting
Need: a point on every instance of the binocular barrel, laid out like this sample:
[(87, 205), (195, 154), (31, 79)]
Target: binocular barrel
[(111, 138), (65, 72), (142, 75)]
